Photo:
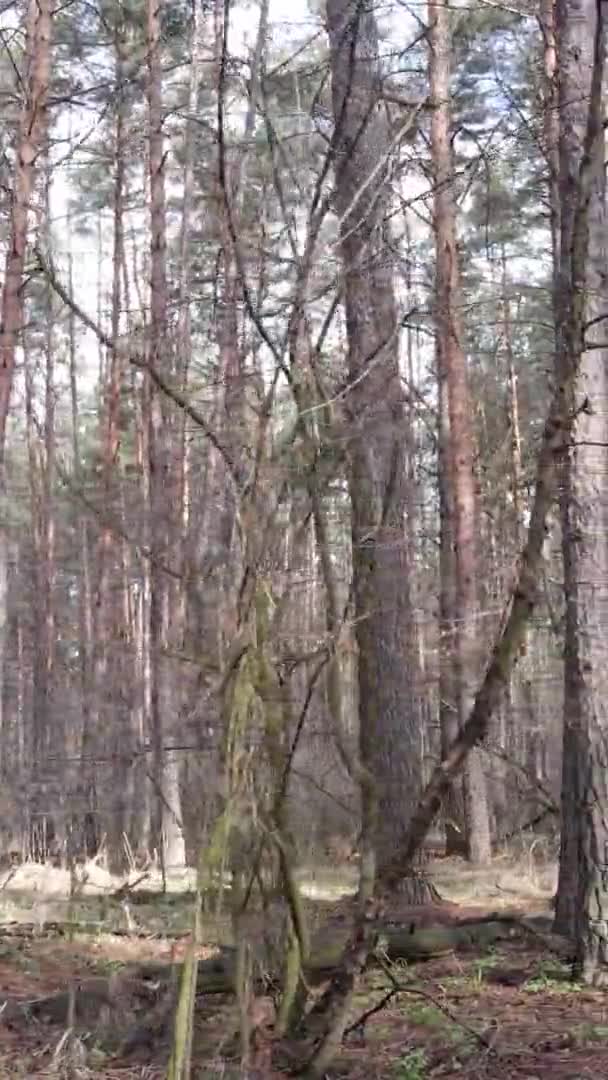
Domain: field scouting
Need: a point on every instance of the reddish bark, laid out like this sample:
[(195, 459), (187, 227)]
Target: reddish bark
[(458, 456)]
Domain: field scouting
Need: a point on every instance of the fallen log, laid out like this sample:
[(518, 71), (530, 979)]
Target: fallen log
[(91, 1003), (216, 975), (409, 942), (69, 929), (149, 988)]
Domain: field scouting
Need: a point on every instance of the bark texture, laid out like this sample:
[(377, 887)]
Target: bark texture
[(388, 736), (457, 439), (30, 141), (32, 132), (162, 472), (582, 903)]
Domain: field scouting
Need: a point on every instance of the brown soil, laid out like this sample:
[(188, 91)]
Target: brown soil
[(506, 1015), (535, 1026)]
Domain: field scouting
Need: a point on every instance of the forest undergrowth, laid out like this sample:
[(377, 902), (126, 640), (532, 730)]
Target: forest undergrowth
[(508, 1010)]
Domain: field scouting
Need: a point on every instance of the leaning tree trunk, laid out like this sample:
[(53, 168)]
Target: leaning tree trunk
[(457, 454), (377, 481), (582, 904)]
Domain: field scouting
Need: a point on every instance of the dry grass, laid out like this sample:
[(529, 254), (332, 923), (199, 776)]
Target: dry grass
[(523, 881), (92, 879)]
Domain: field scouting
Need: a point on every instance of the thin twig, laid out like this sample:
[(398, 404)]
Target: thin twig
[(362, 1020), (137, 360), (400, 988)]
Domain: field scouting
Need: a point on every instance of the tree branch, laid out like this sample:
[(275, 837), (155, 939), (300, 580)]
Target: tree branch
[(137, 360)]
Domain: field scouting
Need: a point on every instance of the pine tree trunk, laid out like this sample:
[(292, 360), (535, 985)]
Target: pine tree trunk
[(453, 807), (82, 738), (38, 804), (107, 733), (144, 656), (457, 456), (31, 136), (389, 737)]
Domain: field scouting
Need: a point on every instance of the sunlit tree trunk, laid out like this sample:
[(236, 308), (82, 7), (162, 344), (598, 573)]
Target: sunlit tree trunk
[(551, 123), (39, 717), (184, 320), (47, 729), (81, 742), (457, 451), (105, 712), (143, 823), (162, 472), (136, 600)]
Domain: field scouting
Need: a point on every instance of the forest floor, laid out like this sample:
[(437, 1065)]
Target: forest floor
[(508, 1013)]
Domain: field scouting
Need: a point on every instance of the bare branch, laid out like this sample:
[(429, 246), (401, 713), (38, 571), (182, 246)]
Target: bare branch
[(137, 360)]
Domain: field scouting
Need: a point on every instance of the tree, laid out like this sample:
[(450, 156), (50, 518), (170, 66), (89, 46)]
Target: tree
[(162, 465), (229, 560), (457, 457), (376, 437), (582, 902), (30, 142)]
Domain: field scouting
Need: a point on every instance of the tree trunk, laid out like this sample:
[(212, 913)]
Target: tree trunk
[(184, 321), (37, 798), (47, 732), (170, 837), (106, 731), (453, 807), (388, 736), (551, 125), (32, 131), (457, 457), (30, 139), (82, 737), (582, 902)]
